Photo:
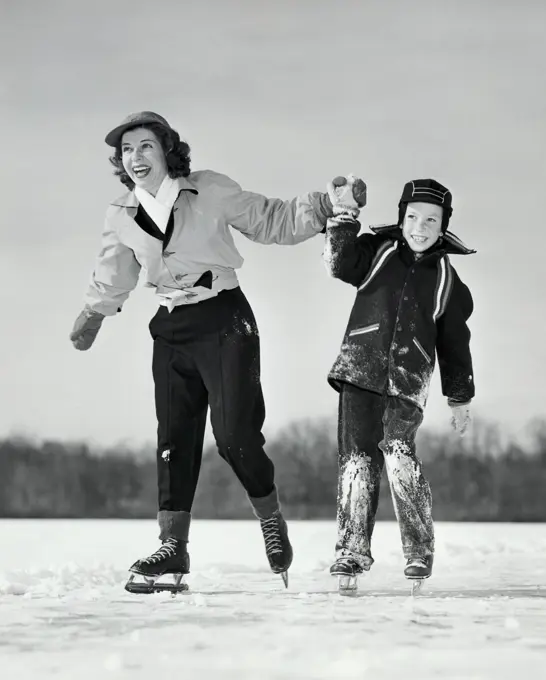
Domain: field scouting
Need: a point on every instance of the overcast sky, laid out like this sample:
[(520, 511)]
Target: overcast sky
[(281, 96)]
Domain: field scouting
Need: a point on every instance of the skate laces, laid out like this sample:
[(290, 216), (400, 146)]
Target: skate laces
[(348, 561), (351, 563), (272, 535), (417, 561), (168, 549)]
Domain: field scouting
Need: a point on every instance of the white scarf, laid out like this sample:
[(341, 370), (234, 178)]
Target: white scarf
[(159, 207)]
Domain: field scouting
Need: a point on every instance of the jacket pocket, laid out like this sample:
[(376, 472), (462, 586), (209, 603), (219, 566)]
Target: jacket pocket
[(364, 329), (422, 350)]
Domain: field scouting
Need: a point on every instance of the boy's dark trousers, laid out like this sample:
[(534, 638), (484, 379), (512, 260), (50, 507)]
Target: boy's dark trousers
[(208, 354), (374, 430)]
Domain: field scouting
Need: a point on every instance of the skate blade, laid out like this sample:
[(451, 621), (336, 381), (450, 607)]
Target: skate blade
[(348, 585), (148, 586), (416, 584), (284, 576)]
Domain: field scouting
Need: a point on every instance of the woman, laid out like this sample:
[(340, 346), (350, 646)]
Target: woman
[(172, 225)]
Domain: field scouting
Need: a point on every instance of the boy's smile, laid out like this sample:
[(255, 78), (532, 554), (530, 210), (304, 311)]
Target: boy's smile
[(422, 225)]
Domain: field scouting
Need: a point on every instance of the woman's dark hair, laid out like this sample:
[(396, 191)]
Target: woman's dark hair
[(176, 152)]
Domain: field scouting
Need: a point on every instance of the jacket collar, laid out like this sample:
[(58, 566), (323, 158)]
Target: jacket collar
[(450, 244), (129, 200)]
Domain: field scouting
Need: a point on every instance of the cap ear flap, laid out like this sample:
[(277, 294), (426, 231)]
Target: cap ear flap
[(445, 218), (401, 212)]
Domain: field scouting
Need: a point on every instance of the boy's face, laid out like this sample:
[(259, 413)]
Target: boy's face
[(422, 225)]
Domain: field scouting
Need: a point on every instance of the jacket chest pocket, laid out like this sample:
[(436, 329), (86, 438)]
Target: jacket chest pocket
[(364, 329), (422, 350)]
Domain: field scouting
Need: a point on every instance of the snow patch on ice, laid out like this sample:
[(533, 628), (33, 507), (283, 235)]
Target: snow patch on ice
[(481, 615), (511, 623), (88, 581), (113, 663)]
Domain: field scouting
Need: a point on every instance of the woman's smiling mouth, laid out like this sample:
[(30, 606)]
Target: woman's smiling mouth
[(141, 171)]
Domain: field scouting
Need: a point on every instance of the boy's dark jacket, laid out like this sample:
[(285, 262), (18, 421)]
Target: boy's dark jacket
[(406, 310)]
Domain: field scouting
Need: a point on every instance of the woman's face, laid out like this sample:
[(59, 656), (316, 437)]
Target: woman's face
[(143, 159)]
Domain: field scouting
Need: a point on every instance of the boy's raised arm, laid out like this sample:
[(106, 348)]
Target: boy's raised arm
[(347, 256)]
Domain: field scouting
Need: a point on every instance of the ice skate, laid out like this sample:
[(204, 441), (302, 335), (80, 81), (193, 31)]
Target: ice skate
[(161, 571), (417, 570), (347, 570), (277, 544)]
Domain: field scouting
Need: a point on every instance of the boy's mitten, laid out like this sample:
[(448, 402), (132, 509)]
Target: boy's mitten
[(347, 194), (460, 417), (85, 329)]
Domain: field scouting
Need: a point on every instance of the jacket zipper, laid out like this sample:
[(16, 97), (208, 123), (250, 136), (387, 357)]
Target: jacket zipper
[(364, 329), (422, 350)]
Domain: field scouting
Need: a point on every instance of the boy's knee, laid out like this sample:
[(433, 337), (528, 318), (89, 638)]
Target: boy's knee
[(401, 421)]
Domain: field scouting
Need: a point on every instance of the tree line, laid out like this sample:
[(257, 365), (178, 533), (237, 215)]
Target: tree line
[(483, 477)]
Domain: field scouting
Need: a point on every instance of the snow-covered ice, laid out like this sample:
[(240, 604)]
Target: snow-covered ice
[(64, 612)]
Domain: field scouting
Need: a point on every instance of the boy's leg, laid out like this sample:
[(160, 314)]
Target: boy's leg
[(360, 430), (410, 490)]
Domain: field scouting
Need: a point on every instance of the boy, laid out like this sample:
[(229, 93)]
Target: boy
[(410, 305)]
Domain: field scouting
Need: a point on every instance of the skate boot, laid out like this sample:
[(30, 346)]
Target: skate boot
[(347, 570), (277, 544), (275, 532), (417, 569), (171, 558)]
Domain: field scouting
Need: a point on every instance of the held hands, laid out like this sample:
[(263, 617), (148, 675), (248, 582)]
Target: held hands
[(461, 418), (85, 329), (344, 220), (347, 195)]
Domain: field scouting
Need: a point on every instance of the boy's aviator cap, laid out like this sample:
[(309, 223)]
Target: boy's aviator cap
[(426, 191), (133, 120)]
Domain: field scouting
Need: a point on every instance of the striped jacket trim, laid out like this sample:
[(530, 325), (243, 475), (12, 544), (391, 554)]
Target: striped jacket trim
[(444, 286), (385, 252)]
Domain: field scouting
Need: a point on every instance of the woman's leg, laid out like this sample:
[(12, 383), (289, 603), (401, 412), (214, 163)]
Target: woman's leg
[(181, 410), (229, 362)]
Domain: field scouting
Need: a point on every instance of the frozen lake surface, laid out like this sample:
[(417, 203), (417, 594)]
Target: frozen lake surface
[(64, 612)]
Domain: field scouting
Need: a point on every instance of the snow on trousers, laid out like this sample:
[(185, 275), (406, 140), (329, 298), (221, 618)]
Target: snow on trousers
[(374, 431), (208, 355)]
